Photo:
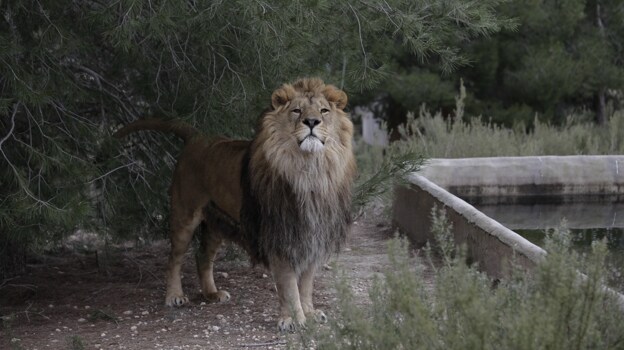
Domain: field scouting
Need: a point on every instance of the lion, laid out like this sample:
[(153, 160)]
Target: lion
[(284, 196)]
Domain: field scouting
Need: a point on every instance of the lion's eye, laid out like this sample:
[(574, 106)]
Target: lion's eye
[(296, 110), (324, 110)]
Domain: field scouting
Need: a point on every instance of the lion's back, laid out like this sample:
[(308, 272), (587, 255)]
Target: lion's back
[(219, 162)]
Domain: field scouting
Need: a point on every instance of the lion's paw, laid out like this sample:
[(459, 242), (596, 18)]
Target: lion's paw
[(218, 297), (288, 324), (176, 300)]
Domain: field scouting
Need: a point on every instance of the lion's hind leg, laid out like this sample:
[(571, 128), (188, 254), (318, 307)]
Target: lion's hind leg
[(182, 228), (210, 242)]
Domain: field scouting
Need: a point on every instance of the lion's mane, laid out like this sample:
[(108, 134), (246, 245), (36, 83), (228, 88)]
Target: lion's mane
[(296, 205)]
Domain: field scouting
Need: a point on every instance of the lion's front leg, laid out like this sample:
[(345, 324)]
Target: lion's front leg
[(306, 288), (291, 314)]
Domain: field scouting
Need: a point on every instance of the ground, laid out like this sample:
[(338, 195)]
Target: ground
[(86, 301)]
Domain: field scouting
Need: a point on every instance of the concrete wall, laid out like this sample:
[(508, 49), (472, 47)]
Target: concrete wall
[(490, 243)]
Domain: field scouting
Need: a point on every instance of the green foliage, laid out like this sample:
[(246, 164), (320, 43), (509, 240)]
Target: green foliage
[(550, 308), (563, 56), (552, 73), (444, 138), (420, 87), (456, 136), (377, 180), (76, 343), (73, 71), (443, 245)]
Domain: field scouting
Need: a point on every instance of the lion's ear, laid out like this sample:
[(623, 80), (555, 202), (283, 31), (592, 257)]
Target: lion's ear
[(335, 95), (282, 95)]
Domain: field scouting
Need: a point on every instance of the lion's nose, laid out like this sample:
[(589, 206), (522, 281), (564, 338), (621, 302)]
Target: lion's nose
[(311, 122)]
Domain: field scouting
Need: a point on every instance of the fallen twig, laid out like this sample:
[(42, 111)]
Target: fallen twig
[(256, 345)]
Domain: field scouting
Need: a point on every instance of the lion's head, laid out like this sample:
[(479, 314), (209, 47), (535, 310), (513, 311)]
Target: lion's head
[(306, 136), (312, 111)]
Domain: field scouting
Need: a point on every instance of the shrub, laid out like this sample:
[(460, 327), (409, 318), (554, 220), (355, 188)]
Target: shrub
[(457, 136), (550, 308)]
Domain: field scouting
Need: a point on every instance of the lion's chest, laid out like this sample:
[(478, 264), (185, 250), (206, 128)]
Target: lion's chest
[(297, 214), (302, 226)]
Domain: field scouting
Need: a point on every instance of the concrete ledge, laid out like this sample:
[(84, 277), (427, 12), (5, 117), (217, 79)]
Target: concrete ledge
[(529, 176)]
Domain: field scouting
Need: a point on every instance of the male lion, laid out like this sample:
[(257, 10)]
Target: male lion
[(285, 196)]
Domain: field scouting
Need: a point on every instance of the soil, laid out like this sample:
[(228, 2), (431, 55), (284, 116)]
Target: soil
[(115, 300)]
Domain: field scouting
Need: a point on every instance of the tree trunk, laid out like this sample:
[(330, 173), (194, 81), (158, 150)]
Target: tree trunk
[(601, 106)]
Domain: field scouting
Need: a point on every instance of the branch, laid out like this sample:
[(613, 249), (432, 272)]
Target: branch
[(256, 345), (357, 18), (15, 171), (15, 107), (112, 171), (100, 79)]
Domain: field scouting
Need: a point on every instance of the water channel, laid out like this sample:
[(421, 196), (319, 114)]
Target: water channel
[(587, 221)]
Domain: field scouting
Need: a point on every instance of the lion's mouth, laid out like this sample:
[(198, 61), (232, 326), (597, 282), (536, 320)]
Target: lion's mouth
[(311, 144)]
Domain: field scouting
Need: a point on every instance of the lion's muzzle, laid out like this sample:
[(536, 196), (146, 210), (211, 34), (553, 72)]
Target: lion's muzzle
[(311, 143)]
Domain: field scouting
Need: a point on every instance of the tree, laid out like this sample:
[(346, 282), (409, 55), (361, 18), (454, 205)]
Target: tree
[(73, 71), (560, 60), (563, 57)]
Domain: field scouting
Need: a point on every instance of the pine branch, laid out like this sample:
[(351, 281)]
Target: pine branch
[(394, 169)]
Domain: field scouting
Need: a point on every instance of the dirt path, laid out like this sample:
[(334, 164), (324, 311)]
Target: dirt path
[(69, 303)]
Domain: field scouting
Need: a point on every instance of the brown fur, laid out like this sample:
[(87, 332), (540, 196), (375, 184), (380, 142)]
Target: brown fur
[(284, 196)]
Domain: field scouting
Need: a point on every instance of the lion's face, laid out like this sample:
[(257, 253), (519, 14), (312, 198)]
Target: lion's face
[(311, 118), (308, 116), (312, 121), (306, 136)]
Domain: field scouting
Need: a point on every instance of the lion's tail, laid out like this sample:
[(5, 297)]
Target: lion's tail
[(180, 129)]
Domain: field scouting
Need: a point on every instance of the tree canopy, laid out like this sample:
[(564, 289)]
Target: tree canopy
[(564, 57), (73, 71)]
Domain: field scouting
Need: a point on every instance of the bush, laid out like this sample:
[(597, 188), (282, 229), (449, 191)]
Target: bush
[(456, 136), (550, 308)]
